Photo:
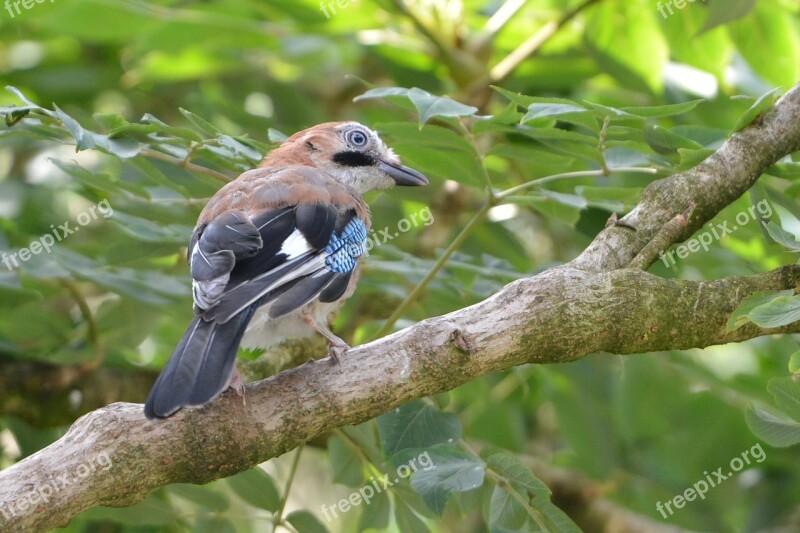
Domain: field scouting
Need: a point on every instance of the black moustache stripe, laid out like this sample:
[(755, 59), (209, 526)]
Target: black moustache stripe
[(353, 159)]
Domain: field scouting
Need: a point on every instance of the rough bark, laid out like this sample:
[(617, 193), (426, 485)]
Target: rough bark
[(590, 305)]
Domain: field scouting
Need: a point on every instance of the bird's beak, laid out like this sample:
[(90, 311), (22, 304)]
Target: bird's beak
[(402, 175)]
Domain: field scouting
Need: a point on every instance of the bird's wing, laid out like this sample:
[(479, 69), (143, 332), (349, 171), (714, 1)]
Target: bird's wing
[(299, 238)]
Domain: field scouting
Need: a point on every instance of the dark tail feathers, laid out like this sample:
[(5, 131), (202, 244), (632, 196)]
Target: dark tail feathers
[(200, 367)]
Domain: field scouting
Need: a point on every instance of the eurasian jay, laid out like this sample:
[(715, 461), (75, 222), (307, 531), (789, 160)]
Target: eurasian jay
[(274, 253)]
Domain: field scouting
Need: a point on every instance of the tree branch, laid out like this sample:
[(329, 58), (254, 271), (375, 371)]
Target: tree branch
[(623, 311), (562, 314), (711, 185)]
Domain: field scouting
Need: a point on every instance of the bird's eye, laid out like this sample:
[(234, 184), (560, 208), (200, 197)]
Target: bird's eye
[(357, 138)]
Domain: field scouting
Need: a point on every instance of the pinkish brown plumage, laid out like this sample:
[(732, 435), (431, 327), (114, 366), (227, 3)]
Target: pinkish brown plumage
[(274, 253)]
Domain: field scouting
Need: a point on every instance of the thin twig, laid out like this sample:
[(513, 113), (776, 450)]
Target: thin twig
[(92, 334), (569, 175), (292, 472), (155, 154), (443, 50), (509, 63), (414, 294)]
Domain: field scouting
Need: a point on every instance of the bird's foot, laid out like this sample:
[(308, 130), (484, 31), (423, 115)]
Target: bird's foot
[(238, 385), (336, 346), (336, 350)]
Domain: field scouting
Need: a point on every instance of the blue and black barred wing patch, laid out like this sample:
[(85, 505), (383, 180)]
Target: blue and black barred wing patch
[(308, 251), (330, 281), (344, 249)]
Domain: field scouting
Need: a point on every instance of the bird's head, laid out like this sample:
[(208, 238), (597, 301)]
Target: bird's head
[(350, 152)]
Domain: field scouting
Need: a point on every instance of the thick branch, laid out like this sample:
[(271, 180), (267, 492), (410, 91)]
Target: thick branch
[(623, 311)]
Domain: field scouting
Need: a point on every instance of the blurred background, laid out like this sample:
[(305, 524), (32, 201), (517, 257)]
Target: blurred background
[(130, 114)]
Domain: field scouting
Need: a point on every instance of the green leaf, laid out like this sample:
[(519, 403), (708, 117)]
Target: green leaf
[(769, 33), (570, 200), (664, 141), (787, 170), (276, 136), (525, 101), (205, 497), (200, 123), (786, 392), (257, 488), (536, 111), (123, 148), (239, 149), (101, 182), (794, 363), (305, 522), (416, 425), (782, 237), (662, 111), (624, 38), (610, 198), (376, 514), (451, 470), (16, 92), (771, 429), (530, 152), (764, 103), (146, 230), (723, 11), (407, 520), (213, 524), (430, 106), (15, 115), (151, 124), (511, 468), (435, 151), (778, 312), (739, 316), (555, 519), (345, 462), (505, 510), (546, 206), (382, 93), (710, 52), (153, 511)]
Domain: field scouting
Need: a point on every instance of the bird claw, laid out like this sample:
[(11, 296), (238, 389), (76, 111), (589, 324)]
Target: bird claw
[(336, 351), (238, 385)]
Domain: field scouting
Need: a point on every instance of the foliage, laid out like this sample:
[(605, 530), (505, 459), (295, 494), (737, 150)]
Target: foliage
[(530, 146)]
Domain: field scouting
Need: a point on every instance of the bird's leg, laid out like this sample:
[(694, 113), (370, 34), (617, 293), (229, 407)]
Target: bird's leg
[(237, 384), (336, 346)]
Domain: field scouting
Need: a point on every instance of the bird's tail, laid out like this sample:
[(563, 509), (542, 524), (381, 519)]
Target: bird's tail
[(200, 367)]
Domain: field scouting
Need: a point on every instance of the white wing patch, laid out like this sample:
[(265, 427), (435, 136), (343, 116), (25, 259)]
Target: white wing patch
[(295, 245)]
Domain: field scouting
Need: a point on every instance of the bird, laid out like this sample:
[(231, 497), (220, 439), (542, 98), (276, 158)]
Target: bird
[(274, 253)]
